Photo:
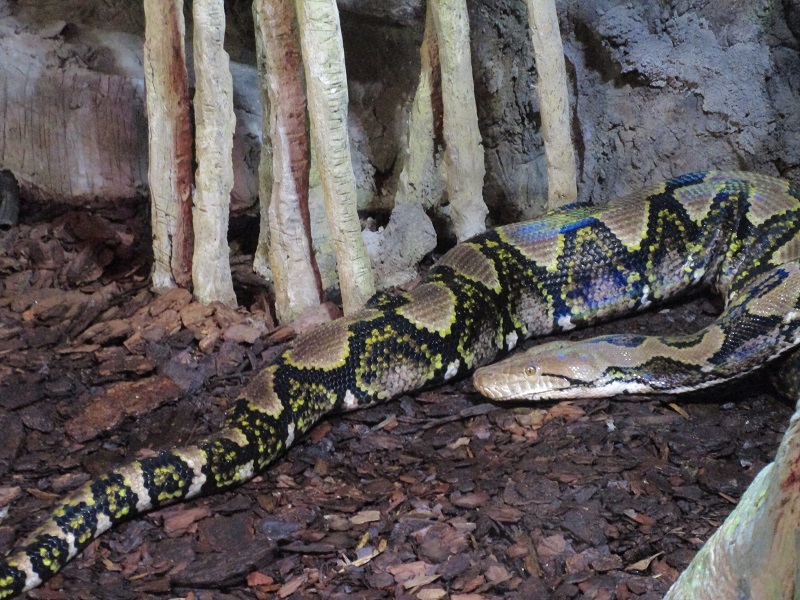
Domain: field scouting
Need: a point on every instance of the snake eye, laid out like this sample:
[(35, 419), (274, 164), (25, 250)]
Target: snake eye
[(531, 371)]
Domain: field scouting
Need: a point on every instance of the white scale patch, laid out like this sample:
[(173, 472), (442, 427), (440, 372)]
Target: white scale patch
[(645, 301), (32, 579), (790, 316), (72, 549), (619, 388), (290, 437), (103, 523), (511, 340), (246, 471), (134, 476), (350, 401), (452, 369), (196, 465), (566, 323)]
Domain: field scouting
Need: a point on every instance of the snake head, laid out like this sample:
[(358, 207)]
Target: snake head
[(553, 371)]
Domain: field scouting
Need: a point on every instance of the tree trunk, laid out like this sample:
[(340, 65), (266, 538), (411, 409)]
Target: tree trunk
[(562, 185), (323, 55), (297, 283), (464, 152), (215, 123), (754, 554), (420, 181), (261, 257), (170, 142)]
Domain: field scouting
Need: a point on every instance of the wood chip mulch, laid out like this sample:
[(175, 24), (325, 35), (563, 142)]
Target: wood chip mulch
[(435, 495)]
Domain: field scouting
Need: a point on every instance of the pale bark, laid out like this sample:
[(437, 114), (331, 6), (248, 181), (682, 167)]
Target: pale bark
[(551, 90), (296, 281), (215, 123), (261, 257), (170, 143), (464, 152), (754, 554), (323, 55), (420, 181)]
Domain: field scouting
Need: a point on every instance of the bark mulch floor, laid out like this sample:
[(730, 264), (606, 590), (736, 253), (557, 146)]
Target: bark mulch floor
[(435, 495)]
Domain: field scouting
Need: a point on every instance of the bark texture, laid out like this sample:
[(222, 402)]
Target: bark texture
[(261, 257), (754, 554), (296, 281), (215, 122), (420, 180), (170, 143), (562, 187), (464, 152), (323, 55)]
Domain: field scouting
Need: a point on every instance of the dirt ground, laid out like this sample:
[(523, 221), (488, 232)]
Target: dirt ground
[(435, 495)]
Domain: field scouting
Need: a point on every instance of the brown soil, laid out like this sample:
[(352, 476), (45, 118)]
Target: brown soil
[(435, 495)]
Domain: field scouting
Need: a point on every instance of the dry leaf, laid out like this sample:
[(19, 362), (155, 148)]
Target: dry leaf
[(258, 578), (366, 516), (420, 581), (291, 586), (680, 411), (644, 564), (432, 594)]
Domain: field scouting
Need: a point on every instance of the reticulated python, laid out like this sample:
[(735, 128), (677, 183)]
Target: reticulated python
[(739, 232)]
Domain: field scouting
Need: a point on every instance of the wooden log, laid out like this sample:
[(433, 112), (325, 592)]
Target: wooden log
[(420, 181)]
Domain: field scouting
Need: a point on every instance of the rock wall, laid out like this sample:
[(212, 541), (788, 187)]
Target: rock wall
[(682, 88), (658, 88)]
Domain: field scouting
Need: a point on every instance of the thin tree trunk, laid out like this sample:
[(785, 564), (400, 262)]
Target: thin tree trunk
[(562, 185), (215, 122), (464, 152), (297, 283), (754, 554), (419, 181), (323, 55), (170, 141), (261, 257)]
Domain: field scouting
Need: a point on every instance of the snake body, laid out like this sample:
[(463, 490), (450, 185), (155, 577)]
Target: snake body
[(573, 267)]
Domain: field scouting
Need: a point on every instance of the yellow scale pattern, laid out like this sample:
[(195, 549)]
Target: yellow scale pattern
[(748, 253)]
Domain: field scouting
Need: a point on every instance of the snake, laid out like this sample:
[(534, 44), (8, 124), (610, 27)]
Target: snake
[(734, 232)]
